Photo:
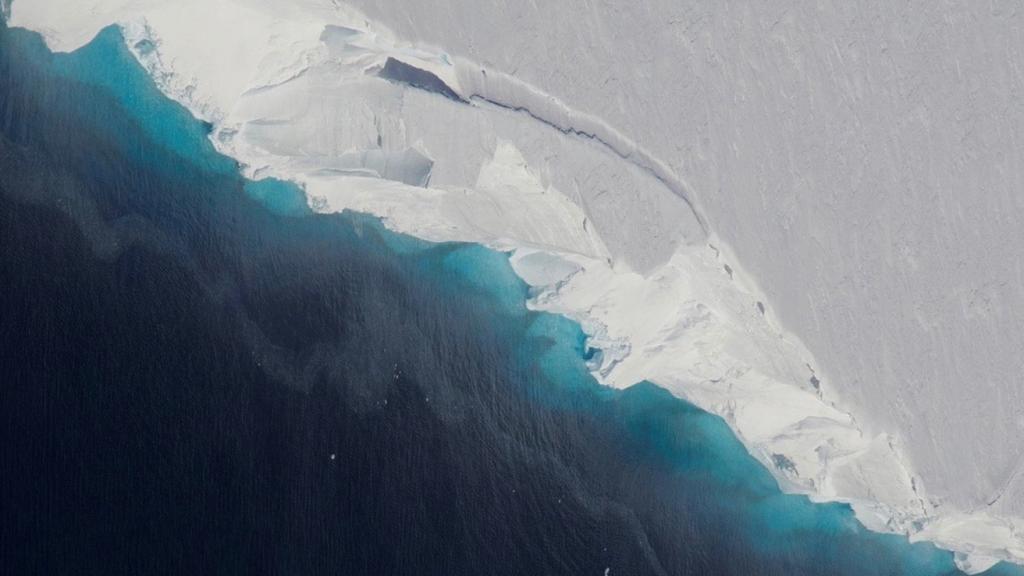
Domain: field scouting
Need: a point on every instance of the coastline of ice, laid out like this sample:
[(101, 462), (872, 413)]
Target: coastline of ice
[(606, 233)]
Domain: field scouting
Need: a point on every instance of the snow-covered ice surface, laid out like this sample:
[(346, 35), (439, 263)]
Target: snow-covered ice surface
[(860, 160)]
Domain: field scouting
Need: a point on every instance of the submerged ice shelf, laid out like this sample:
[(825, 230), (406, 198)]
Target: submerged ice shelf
[(605, 232)]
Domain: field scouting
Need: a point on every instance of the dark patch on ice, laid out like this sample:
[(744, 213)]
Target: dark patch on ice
[(815, 382), (398, 71), (783, 463), (728, 270), (760, 307)]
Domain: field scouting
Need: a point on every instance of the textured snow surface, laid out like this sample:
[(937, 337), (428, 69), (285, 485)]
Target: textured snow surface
[(861, 160)]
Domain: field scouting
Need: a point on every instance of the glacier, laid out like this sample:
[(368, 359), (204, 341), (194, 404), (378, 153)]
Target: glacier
[(760, 209)]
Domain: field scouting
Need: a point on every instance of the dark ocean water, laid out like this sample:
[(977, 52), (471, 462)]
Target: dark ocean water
[(198, 376)]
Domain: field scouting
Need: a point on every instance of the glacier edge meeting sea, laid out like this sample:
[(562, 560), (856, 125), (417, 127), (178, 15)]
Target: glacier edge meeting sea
[(203, 376)]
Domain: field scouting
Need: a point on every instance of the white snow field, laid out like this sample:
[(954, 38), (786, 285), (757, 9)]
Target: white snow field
[(807, 218)]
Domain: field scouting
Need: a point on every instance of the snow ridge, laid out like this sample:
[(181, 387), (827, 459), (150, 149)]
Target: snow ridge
[(507, 92)]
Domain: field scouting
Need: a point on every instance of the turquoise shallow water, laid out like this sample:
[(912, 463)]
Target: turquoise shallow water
[(201, 376)]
